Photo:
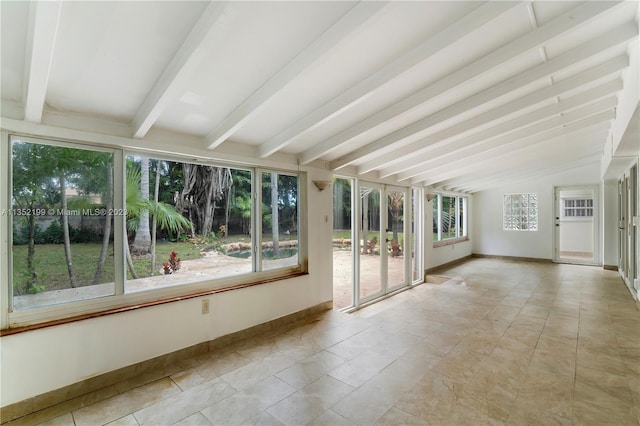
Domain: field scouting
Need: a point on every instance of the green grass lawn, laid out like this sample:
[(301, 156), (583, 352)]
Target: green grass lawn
[(51, 264), (342, 233)]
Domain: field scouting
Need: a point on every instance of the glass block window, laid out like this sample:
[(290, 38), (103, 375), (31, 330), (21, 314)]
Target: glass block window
[(520, 212), (578, 208)]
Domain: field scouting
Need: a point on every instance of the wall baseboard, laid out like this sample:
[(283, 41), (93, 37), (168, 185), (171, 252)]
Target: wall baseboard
[(485, 256), (610, 267), (512, 258), (446, 265), (77, 395)]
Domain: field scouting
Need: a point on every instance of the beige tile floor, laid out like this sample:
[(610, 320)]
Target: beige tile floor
[(503, 343)]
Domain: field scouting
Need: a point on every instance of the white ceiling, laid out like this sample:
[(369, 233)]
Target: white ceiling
[(454, 95)]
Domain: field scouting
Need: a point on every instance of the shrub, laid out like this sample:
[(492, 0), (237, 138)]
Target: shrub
[(84, 235), (172, 265), (51, 235)]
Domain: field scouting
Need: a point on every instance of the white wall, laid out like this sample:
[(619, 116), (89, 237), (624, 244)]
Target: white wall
[(39, 361), (489, 237)]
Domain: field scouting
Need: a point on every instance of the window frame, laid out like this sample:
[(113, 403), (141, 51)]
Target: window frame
[(121, 300), (504, 212), (575, 208), (463, 224)]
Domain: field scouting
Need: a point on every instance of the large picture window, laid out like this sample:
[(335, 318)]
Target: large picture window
[(61, 214), (520, 212), (90, 223), (449, 217)]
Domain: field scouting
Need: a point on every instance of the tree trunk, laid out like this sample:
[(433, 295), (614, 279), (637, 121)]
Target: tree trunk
[(106, 230), (65, 232), (227, 208), (210, 205), (365, 222), (142, 240), (132, 268), (274, 215), (154, 222), (449, 220), (31, 252), (338, 195)]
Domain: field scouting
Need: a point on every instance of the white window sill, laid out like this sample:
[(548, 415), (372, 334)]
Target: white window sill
[(450, 242)]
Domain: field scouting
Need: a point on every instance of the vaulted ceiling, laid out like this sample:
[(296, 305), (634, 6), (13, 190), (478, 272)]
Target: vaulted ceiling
[(453, 95)]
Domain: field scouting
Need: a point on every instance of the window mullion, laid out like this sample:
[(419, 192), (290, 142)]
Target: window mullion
[(439, 217), (256, 220), (5, 231), (119, 222), (457, 213)]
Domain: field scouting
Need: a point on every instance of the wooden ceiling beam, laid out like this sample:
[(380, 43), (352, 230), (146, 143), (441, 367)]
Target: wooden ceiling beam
[(342, 103), (562, 24), (44, 18), (351, 21), (170, 86), (545, 70)]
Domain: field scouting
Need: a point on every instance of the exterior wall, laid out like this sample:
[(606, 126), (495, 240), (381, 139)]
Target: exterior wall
[(42, 360), (489, 237)]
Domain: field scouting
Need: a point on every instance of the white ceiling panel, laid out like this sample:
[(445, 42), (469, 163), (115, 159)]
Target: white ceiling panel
[(108, 55), (258, 40), (14, 19)]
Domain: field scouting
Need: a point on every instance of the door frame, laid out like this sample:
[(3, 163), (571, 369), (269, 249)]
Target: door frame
[(595, 191), (406, 247), (358, 235), (384, 253), (628, 223)]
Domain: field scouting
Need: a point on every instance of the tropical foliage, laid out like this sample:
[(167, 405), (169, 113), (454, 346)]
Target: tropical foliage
[(171, 202)]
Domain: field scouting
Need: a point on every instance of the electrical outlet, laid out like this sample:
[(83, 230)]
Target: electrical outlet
[(205, 306)]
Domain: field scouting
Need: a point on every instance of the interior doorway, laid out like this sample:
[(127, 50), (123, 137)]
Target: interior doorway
[(576, 225)]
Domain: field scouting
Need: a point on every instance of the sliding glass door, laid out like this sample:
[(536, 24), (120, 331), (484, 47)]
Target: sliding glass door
[(372, 245), (377, 240)]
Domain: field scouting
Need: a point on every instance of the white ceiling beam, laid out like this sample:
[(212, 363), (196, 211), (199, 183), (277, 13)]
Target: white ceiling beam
[(478, 161), (559, 142), (486, 12), (576, 149), (522, 158), (400, 138), (437, 162), (580, 53), (528, 132), (516, 168), (175, 76), (529, 174), (44, 18), (560, 25), (414, 166), (351, 21)]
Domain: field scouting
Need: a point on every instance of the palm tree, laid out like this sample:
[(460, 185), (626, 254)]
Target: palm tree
[(165, 215), (142, 240)]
